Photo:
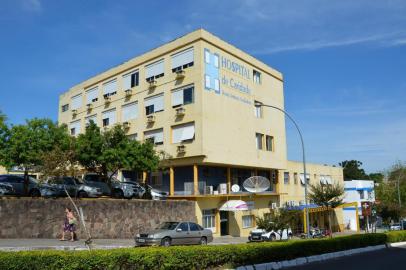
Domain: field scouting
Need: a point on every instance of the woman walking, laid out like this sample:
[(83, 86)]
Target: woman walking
[(69, 225)]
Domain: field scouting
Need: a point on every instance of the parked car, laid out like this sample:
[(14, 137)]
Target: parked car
[(395, 227), (6, 189), (175, 233), (73, 186), (118, 189), (152, 193), (260, 235), (17, 182)]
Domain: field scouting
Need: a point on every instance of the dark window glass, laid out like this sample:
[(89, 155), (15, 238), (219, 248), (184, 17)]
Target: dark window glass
[(184, 227), (65, 107), (149, 109), (188, 95), (105, 122), (194, 227), (69, 181), (134, 79)]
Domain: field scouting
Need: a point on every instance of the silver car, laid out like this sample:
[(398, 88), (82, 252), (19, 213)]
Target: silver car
[(175, 233)]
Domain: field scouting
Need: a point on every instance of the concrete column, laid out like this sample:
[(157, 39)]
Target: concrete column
[(171, 181), (195, 180), (228, 180)]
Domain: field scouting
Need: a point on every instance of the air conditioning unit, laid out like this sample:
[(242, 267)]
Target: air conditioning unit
[(181, 149), (180, 74), (152, 84), (74, 111), (151, 118), (128, 92), (126, 125), (107, 99), (89, 106), (273, 205), (180, 111)]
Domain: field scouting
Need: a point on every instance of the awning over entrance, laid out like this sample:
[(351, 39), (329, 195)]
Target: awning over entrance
[(234, 205)]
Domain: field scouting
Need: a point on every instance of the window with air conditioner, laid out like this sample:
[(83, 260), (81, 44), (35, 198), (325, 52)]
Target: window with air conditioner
[(129, 112), (109, 118), (130, 80), (110, 88), (76, 102), (182, 133), (154, 104), (74, 128), (182, 60), (92, 95), (183, 96), (154, 70), (259, 140), (155, 136)]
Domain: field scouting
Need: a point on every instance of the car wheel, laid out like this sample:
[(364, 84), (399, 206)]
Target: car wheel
[(118, 194), (203, 241), (35, 193), (166, 242), (82, 194)]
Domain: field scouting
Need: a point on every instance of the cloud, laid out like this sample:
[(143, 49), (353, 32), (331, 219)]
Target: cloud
[(32, 5)]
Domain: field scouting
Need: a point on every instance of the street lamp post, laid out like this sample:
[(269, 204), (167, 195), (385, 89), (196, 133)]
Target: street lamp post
[(258, 104)]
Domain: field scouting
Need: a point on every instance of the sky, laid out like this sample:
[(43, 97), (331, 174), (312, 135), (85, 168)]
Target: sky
[(344, 62)]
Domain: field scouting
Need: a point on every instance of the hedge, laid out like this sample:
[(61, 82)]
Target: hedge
[(183, 257), (396, 236)]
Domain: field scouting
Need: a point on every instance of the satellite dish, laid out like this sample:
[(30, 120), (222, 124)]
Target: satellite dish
[(256, 184), (235, 188)]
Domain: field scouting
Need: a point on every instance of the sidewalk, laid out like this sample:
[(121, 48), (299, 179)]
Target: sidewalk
[(55, 244)]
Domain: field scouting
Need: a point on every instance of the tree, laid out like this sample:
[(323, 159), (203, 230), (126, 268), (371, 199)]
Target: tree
[(279, 220), (26, 144), (4, 133), (376, 177), (352, 170), (329, 196)]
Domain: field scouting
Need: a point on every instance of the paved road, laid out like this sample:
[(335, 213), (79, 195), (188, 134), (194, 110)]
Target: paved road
[(40, 244), (385, 259)]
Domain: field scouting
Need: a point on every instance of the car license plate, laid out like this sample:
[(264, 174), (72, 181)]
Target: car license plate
[(141, 240)]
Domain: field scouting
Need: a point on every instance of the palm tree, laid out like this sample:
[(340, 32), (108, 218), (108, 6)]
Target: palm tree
[(329, 196)]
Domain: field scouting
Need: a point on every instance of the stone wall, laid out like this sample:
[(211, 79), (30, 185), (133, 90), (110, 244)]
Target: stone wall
[(105, 218)]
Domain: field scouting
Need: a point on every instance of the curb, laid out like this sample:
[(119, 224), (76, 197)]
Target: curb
[(314, 258), (398, 244)]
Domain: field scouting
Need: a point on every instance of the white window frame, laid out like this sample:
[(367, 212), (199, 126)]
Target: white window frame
[(110, 87), (153, 134), (133, 114), (92, 95), (247, 221), (207, 83), (154, 100), (76, 102), (112, 117), (182, 58), (127, 80), (207, 56), (184, 132), (209, 219)]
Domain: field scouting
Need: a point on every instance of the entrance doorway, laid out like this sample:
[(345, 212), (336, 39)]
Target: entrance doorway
[(224, 222)]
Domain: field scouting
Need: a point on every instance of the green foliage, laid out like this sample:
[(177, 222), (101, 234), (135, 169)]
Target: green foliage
[(352, 170), (89, 146), (376, 177), (278, 220), (396, 236), (190, 257), (327, 195), (25, 144)]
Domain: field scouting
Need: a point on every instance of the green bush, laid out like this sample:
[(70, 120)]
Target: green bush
[(182, 257), (396, 236)]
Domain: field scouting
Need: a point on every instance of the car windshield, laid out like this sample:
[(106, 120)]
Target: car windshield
[(168, 226)]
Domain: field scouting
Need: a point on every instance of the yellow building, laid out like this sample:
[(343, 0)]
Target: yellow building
[(194, 97)]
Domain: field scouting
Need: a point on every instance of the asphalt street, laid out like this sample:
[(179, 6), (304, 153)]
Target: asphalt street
[(385, 259)]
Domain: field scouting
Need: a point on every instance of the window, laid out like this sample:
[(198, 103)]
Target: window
[(248, 221), (133, 137), (156, 136), (207, 56), (256, 76), (258, 110), (76, 102), (269, 143), (154, 104), (110, 88), (91, 118), (209, 219), (183, 226), (216, 84), (207, 83), (183, 96), (92, 95), (361, 194), (182, 60), (295, 178), (154, 70), (74, 128), (286, 178), (258, 139), (129, 112), (194, 227), (65, 107), (302, 178), (109, 118), (183, 133), (130, 80), (216, 60)]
